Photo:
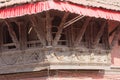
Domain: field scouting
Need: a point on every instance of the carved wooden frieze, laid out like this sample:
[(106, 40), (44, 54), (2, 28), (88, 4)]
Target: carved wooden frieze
[(77, 57), (38, 59)]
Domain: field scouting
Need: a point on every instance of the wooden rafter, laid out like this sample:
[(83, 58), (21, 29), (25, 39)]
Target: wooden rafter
[(119, 41), (91, 34), (37, 29), (1, 36), (113, 30), (99, 34), (73, 21), (48, 29), (71, 33), (12, 33), (82, 31), (94, 32), (60, 29), (105, 38), (116, 36), (87, 37), (41, 22), (115, 26), (22, 34)]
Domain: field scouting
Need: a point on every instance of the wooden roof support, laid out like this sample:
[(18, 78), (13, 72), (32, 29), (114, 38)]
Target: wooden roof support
[(60, 29), (113, 31), (1, 37), (105, 38), (91, 34), (99, 34), (116, 26), (12, 33), (73, 21), (116, 37), (23, 35), (48, 29), (37, 30), (119, 40), (82, 31)]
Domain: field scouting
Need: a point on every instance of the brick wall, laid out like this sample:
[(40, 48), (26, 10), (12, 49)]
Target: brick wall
[(61, 75)]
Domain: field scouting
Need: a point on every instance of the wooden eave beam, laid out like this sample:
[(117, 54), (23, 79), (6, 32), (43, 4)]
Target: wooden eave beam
[(22, 35), (82, 31), (99, 34), (116, 37), (119, 41), (105, 38), (73, 21), (113, 30), (12, 33), (48, 29), (90, 34), (60, 29), (37, 30), (1, 36)]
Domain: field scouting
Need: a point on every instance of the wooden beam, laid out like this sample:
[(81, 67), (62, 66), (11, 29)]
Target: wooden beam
[(22, 35), (12, 33), (82, 31), (113, 30), (116, 36), (72, 35), (73, 21), (95, 31), (105, 38), (99, 34), (38, 30), (48, 29), (1, 37), (91, 34), (60, 29), (119, 40), (41, 22)]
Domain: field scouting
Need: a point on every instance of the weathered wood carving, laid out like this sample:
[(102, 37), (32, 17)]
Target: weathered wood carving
[(49, 37), (99, 34), (60, 29), (116, 37), (39, 32), (12, 34), (82, 31), (45, 58), (43, 42)]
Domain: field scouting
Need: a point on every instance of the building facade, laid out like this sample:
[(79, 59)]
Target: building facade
[(59, 40)]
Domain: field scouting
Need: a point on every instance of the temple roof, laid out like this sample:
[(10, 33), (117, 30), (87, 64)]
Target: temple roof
[(107, 4), (93, 8)]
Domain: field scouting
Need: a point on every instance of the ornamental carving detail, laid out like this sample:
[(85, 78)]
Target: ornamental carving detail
[(35, 60)]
